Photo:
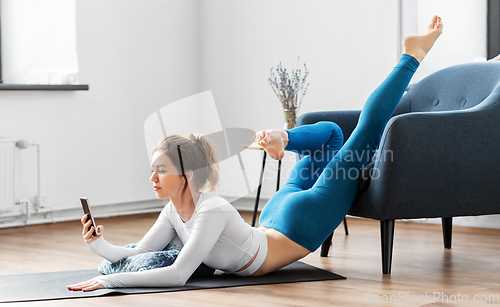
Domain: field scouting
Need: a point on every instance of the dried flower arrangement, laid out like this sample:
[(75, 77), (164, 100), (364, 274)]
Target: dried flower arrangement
[(290, 91)]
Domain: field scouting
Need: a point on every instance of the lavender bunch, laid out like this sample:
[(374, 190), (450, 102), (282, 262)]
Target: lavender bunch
[(289, 90)]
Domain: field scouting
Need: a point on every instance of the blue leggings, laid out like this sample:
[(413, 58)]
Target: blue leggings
[(322, 186)]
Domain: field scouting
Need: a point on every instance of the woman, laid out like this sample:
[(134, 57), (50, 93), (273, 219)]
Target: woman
[(295, 221), (211, 230)]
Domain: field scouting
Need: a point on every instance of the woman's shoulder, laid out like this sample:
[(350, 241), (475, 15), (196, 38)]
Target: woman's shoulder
[(213, 202)]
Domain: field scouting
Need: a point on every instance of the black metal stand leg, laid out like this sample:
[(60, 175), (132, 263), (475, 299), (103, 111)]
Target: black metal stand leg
[(325, 247), (387, 240), (345, 227), (447, 229), (257, 198), (279, 174)]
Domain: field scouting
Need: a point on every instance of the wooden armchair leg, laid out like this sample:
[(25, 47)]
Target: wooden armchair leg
[(345, 227), (325, 247), (447, 229), (387, 240)]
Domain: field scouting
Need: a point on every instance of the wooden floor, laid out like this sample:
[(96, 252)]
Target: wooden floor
[(421, 266)]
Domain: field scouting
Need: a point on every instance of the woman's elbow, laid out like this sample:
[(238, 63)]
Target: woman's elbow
[(177, 281), (173, 276)]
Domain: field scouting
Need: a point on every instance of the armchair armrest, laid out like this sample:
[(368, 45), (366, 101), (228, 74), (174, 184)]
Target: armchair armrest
[(347, 120), (430, 163)]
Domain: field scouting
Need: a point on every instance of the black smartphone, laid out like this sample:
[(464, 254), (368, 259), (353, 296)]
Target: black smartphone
[(86, 210)]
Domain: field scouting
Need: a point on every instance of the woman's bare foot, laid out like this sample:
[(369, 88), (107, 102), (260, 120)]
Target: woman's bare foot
[(273, 141), (419, 45)]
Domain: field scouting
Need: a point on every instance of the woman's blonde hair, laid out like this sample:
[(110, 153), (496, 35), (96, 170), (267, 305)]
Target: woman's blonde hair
[(198, 154)]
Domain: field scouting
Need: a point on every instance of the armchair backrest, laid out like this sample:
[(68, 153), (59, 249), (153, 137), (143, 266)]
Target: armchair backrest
[(455, 88), (458, 87)]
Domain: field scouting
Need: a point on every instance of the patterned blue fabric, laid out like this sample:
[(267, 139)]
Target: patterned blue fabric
[(148, 261)]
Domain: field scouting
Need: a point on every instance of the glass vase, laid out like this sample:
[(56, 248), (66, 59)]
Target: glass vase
[(291, 115)]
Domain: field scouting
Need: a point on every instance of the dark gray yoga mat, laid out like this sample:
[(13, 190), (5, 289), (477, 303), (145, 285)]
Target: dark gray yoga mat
[(52, 286)]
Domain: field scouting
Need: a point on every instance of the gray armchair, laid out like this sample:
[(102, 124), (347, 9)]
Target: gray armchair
[(438, 153)]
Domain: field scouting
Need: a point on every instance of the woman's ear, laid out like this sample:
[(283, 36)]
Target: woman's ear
[(189, 175)]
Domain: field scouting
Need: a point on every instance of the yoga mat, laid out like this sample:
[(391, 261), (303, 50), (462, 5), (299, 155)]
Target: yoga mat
[(52, 285)]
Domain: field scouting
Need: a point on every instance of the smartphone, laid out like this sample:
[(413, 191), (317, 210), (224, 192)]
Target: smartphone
[(86, 210)]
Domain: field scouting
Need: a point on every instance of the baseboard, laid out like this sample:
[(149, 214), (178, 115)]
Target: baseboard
[(14, 219), (70, 214), (482, 221)]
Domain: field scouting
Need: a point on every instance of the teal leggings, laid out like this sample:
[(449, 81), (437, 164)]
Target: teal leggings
[(322, 186)]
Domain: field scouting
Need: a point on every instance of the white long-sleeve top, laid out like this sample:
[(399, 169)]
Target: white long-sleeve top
[(215, 235)]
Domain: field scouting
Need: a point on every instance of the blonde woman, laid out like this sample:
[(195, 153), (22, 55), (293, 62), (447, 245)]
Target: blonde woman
[(296, 220)]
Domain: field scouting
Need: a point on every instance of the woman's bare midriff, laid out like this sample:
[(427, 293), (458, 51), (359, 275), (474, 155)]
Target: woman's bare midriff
[(281, 251)]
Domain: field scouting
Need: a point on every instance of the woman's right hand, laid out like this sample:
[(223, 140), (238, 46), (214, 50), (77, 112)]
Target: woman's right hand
[(88, 230)]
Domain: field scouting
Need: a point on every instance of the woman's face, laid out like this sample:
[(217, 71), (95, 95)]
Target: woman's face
[(167, 181)]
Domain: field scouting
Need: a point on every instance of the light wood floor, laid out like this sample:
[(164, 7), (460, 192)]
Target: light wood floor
[(420, 266)]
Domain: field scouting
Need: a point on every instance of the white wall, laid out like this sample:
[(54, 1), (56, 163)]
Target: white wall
[(464, 38), (137, 57), (348, 46)]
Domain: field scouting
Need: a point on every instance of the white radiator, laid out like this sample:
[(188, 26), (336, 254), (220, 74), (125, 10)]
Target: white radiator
[(7, 147)]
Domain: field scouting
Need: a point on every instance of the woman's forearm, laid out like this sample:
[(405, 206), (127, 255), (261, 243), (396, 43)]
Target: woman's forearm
[(112, 252)]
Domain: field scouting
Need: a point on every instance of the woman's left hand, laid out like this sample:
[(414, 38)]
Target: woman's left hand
[(88, 285)]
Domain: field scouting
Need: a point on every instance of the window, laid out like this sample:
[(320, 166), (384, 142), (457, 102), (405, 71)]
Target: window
[(38, 40)]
